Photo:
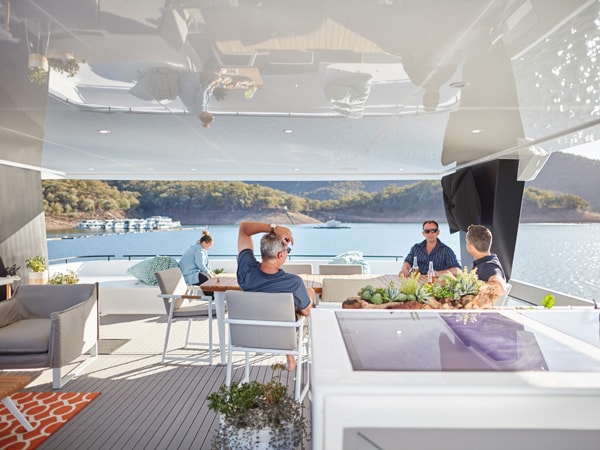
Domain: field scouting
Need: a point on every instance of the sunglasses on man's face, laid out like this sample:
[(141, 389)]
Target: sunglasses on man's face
[(287, 250), (432, 230)]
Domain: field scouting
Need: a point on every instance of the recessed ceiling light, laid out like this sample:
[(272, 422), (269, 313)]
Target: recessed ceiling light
[(103, 131), (476, 131), (288, 130), (192, 170), (91, 169), (457, 84)]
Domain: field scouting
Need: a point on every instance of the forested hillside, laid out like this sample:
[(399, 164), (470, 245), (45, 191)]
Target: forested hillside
[(211, 202), (562, 173), (573, 174)]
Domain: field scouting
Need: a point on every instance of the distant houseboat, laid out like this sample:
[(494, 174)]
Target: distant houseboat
[(148, 224), (91, 224)]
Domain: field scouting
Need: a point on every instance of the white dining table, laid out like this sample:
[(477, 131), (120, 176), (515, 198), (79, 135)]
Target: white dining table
[(228, 281)]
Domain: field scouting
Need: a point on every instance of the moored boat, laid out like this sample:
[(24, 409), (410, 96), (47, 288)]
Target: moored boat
[(333, 224)]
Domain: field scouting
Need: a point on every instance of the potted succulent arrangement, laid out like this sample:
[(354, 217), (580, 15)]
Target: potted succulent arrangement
[(461, 291), (70, 277), (38, 270), (258, 415)]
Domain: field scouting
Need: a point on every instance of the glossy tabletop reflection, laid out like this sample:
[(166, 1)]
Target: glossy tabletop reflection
[(462, 341)]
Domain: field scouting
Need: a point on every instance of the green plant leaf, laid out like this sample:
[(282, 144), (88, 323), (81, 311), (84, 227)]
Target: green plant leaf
[(548, 301)]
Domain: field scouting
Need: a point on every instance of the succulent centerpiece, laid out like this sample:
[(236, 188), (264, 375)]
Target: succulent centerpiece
[(461, 291)]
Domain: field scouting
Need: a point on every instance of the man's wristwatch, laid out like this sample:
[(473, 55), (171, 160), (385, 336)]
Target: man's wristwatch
[(273, 226)]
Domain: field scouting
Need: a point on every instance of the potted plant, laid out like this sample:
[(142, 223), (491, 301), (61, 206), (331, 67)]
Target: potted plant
[(38, 74), (258, 415), (37, 60), (67, 66), (13, 270), (38, 270), (70, 277)]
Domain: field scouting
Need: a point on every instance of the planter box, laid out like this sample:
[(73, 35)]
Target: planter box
[(37, 277), (37, 60)]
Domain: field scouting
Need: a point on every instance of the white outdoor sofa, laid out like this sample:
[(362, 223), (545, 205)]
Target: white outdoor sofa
[(120, 292)]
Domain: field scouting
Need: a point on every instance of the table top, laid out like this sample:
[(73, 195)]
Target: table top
[(8, 280), (228, 281)]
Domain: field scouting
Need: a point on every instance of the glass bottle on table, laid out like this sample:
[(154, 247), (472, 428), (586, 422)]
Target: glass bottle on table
[(415, 268), (430, 273)]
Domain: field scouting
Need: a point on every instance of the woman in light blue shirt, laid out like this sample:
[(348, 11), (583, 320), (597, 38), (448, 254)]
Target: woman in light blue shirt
[(194, 262)]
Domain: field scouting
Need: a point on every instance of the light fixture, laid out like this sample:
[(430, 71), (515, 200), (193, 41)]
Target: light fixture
[(103, 131), (457, 84), (476, 131), (288, 130)]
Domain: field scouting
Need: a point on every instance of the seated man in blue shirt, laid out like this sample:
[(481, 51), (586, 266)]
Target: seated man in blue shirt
[(478, 243), (267, 276), (431, 249)]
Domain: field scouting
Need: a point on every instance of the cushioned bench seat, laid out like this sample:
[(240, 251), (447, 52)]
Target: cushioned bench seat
[(119, 292)]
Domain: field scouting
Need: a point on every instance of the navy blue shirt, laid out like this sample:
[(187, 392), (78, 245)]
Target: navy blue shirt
[(443, 257), (488, 266), (251, 278)]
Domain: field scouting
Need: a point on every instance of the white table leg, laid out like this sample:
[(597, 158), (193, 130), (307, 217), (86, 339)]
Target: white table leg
[(220, 305)]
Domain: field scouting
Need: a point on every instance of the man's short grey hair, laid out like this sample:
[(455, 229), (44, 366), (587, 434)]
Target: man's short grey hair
[(270, 245)]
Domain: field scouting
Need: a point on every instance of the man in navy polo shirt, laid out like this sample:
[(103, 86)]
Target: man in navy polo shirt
[(478, 243), (267, 275)]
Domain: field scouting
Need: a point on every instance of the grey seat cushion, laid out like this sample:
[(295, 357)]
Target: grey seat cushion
[(25, 336)]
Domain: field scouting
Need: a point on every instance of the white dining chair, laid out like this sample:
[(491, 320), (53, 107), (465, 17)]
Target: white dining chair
[(503, 299), (340, 289), (298, 269), (260, 322), (188, 302), (340, 269)]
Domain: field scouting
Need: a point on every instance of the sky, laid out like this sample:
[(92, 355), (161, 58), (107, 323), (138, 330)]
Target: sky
[(590, 150)]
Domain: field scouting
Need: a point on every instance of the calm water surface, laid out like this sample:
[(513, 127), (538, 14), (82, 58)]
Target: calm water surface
[(563, 257)]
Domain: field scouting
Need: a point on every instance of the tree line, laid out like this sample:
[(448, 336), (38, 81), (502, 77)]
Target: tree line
[(192, 198)]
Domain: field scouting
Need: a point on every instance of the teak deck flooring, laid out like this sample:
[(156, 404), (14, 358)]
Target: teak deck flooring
[(145, 404)]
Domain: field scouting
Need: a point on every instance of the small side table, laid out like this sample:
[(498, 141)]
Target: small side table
[(10, 384), (8, 281)]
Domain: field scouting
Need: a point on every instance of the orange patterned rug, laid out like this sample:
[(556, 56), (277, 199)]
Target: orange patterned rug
[(45, 411)]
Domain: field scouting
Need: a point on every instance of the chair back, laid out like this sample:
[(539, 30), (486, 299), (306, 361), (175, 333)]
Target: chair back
[(256, 308), (44, 299), (171, 282), (298, 269), (340, 289), (340, 269), (503, 299)]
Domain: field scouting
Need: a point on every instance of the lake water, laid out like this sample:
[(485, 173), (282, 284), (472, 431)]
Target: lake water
[(563, 257)]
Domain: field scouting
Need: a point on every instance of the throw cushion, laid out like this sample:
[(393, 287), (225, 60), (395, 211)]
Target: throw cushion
[(352, 257), (144, 270)]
